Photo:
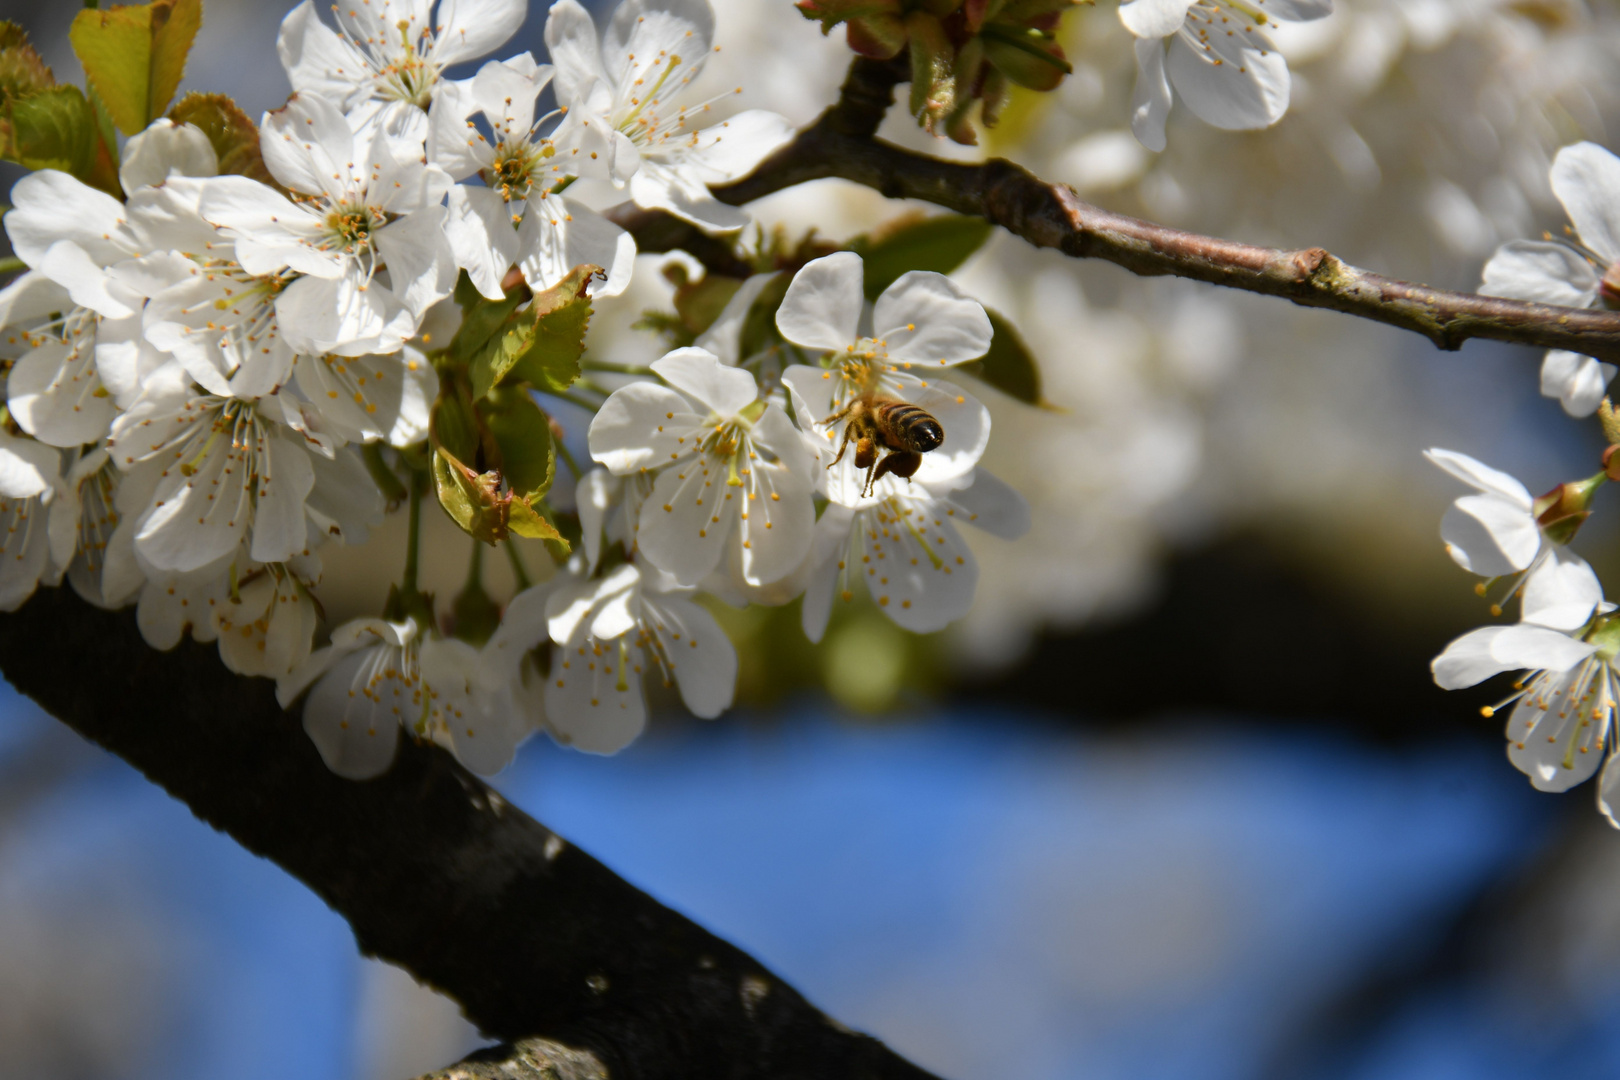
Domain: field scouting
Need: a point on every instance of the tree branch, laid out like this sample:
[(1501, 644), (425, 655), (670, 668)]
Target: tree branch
[(434, 870), (842, 144)]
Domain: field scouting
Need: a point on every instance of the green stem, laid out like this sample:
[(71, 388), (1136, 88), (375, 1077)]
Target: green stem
[(386, 479), (475, 568), (11, 264), (519, 572), (617, 369)]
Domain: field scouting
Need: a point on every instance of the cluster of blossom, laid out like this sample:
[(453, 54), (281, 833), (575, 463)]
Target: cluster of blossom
[(1566, 641), (202, 377)]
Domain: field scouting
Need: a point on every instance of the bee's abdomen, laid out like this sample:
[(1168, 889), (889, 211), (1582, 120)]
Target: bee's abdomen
[(913, 426)]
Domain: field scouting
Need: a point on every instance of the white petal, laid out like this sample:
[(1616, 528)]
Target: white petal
[(1579, 382), (270, 230), (696, 372), (1554, 741), (1586, 179), (684, 524), (285, 479), (572, 44), (27, 468), (1535, 648), (87, 283), (53, 395), (1480, 476), (1542, 272), (1154, 18), (658, 185), (1150, 102), (421, 270), (559, 234), (350, 717), (309, 147), (730, 149), (573, 606), (1248, 89), (51, 206), (780, 519), (344, 503), (1471, 659), (316, 59), (165, 148), (925, 319), (585, 707), (593, 499), (723, 337), (470, 28), (920, 572), (1561, 593), (829, 546), (698, 653), (1608, 795), (1489, 536), (822, 307), (990, 504), (639, 427)]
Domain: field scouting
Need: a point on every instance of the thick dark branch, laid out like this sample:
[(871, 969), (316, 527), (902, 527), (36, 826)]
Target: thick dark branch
[(841, 144), (432, 868)]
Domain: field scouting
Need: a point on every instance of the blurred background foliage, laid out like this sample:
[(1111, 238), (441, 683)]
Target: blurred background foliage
[(1177, 799)]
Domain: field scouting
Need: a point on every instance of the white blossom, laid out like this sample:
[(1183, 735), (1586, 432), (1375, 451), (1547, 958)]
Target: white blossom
[(217, 470), (624, 92), (362, 206), (1495, 533), (920, 323), (1586, 272), (724, 460), (517, 218), (382, 65), (607, 633), (1563, 704), (28, 476), (904, 550), (1217, 55)]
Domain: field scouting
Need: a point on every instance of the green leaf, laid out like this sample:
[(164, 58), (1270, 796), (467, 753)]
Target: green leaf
[(1027, 56), (135, 56), (540, 345), (940, 243), (53, 129), (22, 72), (470, 498), (523, 434), (233, 135), (525, 520), (1009, 366)]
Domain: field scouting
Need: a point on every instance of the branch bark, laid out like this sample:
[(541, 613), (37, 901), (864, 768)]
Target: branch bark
[(435, 871), (842, 144)]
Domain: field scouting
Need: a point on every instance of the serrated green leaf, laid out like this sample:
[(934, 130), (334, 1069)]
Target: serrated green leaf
[(523, 434), (525, 520), (1009, 366), (135, 56), (233, 135), (540, 345), (22, 72), (52, 129), (940, 243)]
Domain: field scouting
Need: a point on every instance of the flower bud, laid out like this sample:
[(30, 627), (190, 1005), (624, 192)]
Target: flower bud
[(1562, 510)]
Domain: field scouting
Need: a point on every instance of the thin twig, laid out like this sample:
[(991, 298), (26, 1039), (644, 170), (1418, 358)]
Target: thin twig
[(841, 144)]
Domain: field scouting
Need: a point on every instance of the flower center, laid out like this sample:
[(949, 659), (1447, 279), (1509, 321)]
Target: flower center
[(516, 164), (350, 226)]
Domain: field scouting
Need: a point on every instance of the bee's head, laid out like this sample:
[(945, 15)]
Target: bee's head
[(926, 435)]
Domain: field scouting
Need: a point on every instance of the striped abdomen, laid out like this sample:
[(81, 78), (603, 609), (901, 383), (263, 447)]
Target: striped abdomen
[(905, 426)]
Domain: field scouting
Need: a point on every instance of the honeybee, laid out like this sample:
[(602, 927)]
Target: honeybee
[(905, 430)]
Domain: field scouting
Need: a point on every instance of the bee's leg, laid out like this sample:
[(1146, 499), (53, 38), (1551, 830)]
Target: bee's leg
[(844, 445), (865, 452), (901, 463)]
